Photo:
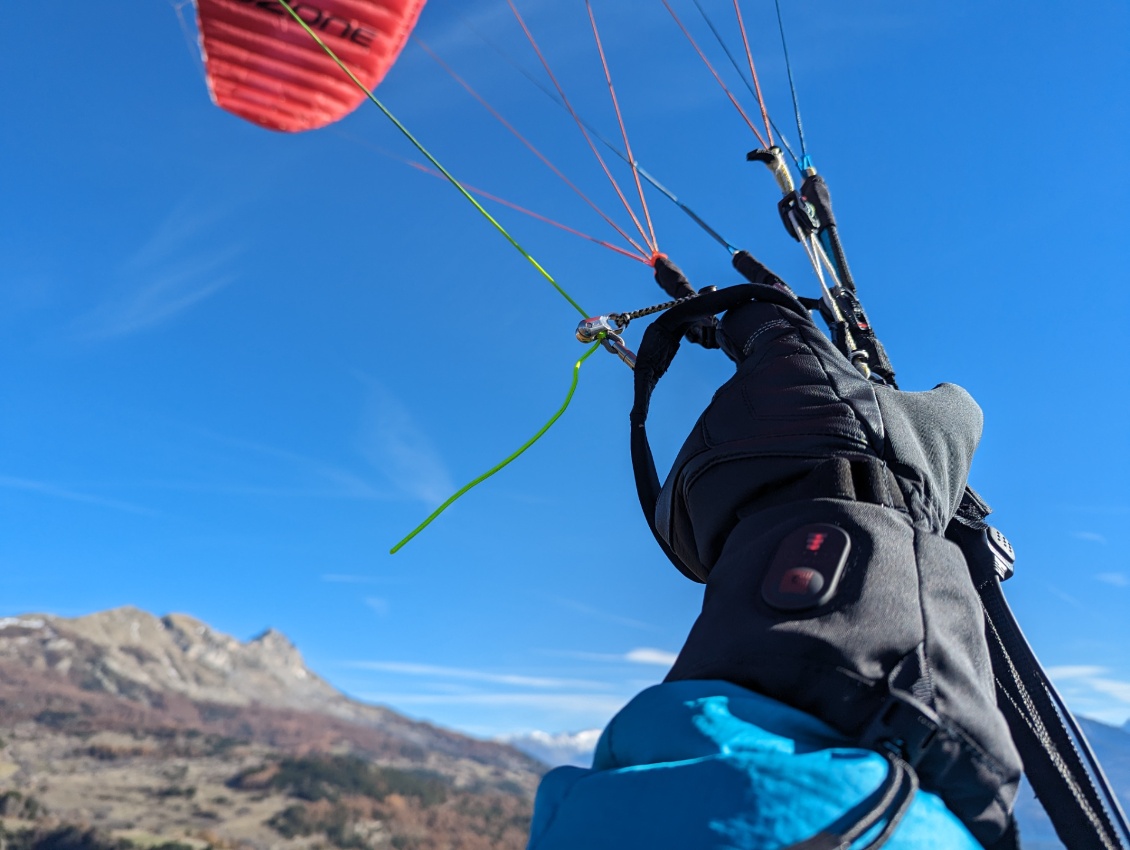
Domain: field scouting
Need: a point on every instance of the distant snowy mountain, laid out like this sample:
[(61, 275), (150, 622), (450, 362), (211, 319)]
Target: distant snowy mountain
[(1112, 747), (574, 748)]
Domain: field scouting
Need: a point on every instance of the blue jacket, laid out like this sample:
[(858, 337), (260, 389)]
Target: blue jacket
[(698, 765)]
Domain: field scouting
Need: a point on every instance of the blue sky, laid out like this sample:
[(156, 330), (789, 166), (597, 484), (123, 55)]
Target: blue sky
[(237, 366)]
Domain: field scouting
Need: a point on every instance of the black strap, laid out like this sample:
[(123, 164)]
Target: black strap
[(1057, 759), (658, 348), (1041, 731), (890, 800)]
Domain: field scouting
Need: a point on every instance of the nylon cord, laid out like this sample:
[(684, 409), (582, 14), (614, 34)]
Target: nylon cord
[(749, 86), (792, 85), (659, 187), (810, 250), (482, 193), (576, 118), (717, 79), (529, 145), (623, 130), (753, 72), (506, 461), (435, 162)]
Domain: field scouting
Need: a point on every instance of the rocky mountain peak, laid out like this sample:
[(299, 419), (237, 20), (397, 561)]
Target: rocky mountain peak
[(166, 728), (276, 650), (129, 652)]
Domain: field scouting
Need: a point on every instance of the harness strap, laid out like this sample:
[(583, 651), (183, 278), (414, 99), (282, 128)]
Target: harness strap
[(1058, 761), (889, 802), (658, 348)]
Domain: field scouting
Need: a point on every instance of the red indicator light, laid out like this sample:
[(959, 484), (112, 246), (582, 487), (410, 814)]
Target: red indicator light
[(815, 541)]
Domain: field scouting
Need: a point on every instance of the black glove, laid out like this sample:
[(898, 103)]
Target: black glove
[(672, 280), (891, 644)]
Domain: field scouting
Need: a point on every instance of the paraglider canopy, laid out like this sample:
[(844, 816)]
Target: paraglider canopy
[(262, 66)]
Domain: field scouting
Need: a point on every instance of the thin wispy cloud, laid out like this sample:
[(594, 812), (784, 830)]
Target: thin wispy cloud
[(463, 28), (329, 480), (464, 674), (1114, 579), (599, 703), (640, 655), (378, 605), (55, 491), (1092, 690), (170, 273), (1067, 598), (1090, 536), (400, 449), (1115, 688), (1065, 672), (268, 490), (598, 614), (647, 655)]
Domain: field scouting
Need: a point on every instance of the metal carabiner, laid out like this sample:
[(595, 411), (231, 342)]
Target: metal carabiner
[(604, 330)]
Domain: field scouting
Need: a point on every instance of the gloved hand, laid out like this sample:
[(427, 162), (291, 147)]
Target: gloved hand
[(891, 648), (796, 402)]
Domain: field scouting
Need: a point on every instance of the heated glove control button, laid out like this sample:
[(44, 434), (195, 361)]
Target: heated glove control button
[(806, 567)]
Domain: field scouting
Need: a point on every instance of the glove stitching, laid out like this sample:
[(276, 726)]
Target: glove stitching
[(747, 346)]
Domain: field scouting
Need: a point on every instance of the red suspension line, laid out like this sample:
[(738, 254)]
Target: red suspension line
[(577, 119), (753, 73), (419, 166), (706, 61), (432, 172), (623, 129), (491, 197), (498, 116)]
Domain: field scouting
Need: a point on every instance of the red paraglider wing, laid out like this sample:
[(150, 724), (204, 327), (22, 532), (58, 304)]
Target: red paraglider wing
[(264, 67)]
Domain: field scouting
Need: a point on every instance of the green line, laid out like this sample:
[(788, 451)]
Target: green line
[(424, 152), (512, 457)]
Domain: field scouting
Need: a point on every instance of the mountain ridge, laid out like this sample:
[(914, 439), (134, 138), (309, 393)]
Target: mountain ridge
[(123, 730), (129, 651), (178, 669)]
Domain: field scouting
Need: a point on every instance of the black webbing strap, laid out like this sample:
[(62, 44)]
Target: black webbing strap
[(1057, 759), (890, 801), (658, 348)]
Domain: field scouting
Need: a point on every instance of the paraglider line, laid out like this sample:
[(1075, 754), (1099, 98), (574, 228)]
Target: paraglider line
[(753, 72), (431, 172), (745, 81), (623, 129), (514, 456), (498, 116), (665, 192), (717, 78), (190, 40), (659, 187), (436, 163), (792, 84), (518, 208), (577, 119)]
